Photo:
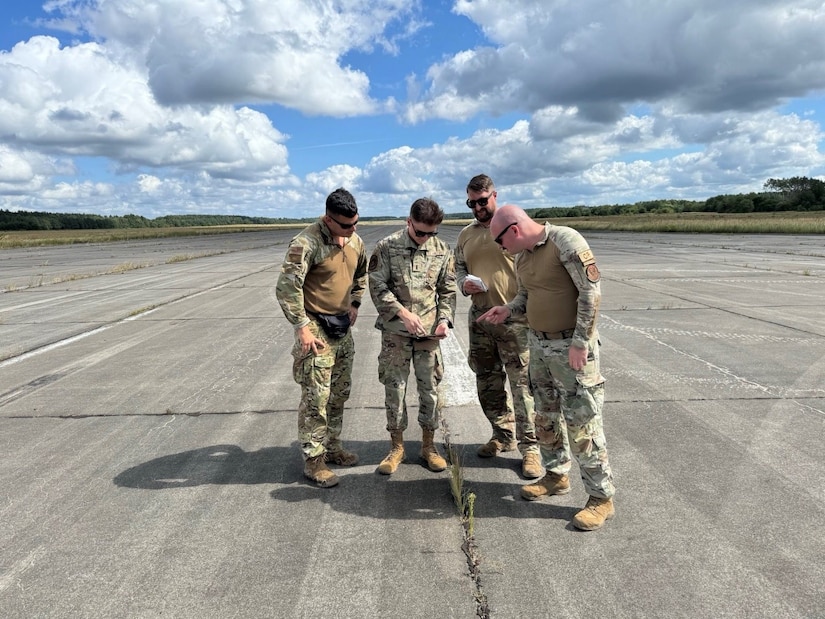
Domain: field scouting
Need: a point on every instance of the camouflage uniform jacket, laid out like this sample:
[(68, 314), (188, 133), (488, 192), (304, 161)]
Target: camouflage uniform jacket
[(314, 245), (580, 264), (420, 278)]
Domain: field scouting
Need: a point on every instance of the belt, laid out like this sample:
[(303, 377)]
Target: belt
[(553, 335)]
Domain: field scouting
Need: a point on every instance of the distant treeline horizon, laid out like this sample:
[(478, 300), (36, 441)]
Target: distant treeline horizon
[(799, 193)]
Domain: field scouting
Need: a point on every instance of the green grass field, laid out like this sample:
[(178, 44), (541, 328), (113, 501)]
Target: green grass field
[(746, 223)]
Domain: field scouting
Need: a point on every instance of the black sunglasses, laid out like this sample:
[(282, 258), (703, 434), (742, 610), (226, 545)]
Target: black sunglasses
[(421, 234), (501, 234), (344, 226), (480, 202)]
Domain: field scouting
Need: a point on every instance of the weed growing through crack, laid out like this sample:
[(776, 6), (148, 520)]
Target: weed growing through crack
[(465, 502)]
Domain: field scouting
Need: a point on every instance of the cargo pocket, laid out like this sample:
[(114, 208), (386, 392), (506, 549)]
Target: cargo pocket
[(438, 369), (312, 369)]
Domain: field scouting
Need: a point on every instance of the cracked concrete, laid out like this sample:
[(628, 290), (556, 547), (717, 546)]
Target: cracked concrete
[(150, 465)]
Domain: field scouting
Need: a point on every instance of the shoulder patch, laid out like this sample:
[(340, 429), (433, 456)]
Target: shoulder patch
[(373, 262), (586, 256), (592, 272), (295, 254)]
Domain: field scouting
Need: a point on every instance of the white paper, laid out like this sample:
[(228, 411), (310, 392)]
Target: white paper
[(477, 281)]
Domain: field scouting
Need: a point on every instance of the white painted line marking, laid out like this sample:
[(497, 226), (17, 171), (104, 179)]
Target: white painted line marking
[(459, 385)]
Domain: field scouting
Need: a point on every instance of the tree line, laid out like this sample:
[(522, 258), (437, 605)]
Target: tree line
[(34, 220), (799, 193)]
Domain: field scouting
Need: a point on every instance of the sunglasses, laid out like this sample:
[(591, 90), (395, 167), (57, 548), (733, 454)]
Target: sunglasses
[(480, 202), (343, 225), (421, 234), (502, 233)]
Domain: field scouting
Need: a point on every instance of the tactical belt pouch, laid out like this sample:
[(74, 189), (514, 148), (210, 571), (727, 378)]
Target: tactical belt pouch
[(334, 325), (554, 335)]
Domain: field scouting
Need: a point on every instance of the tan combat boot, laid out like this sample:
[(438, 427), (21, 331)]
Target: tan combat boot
[(336, 454), (594, 514), (429, 453), (548, 485), (494, 446), (317, 470), (531, 466), (390, 464)]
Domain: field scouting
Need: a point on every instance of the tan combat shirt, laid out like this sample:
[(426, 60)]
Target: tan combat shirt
[(320, 276), (478, 254), (559, 285)]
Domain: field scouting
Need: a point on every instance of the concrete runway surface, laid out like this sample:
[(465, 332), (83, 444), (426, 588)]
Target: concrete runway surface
[(150, 464)]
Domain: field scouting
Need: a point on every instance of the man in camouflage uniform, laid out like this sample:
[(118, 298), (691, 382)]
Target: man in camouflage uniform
[(498, 353), (412, 284), (559, 292), (323, 279)]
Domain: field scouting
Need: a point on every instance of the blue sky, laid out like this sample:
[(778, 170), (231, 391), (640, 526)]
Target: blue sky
[(262, 108)]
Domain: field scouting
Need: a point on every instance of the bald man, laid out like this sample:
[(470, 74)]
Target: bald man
[(559, 292)]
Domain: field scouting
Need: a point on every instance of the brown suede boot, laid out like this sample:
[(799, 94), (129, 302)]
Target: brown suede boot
[(531, 466), (429, 453), (340, 456), (317, 470), (494, 446), (594, 514), (390, 464), (548, 485)]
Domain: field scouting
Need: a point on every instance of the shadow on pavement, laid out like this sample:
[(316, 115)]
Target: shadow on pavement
[(412, 492), (503, 500), (218, 464), (372, 495)]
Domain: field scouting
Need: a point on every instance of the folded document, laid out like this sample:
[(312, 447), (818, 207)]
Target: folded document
[(477, 281)]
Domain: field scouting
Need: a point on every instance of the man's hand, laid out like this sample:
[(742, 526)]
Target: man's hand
[(471, 287), (442, 330), (496, 315), (412, 323), (353, 314), (308, 341), (577, 357)]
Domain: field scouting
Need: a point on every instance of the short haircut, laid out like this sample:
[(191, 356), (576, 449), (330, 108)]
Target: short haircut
[(340, 202), (426, 211), (480, 183)]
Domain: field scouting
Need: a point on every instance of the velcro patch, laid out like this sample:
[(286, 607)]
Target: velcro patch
[(587, 257), (295, 254), (592, 272), (373, 263)]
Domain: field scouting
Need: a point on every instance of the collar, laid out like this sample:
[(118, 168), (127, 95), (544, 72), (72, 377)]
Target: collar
[(327, 235), (544, 238), (412, 244)]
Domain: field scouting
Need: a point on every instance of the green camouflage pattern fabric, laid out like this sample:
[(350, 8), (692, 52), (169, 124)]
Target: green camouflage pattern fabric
[(397, 352), (500, 353), (569, 413), (314, 244), (571, 245), (421, 279), (326, 382), (326, 378)]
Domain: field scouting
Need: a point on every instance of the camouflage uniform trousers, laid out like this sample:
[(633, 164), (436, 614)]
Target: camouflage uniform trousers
[(499, 352), (569, 413), (397, 351), (326, 381)]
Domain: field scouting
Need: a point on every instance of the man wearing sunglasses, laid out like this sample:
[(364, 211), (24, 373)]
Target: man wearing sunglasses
[(498, 353), (322, 281), (560, 293), (412, 284)]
